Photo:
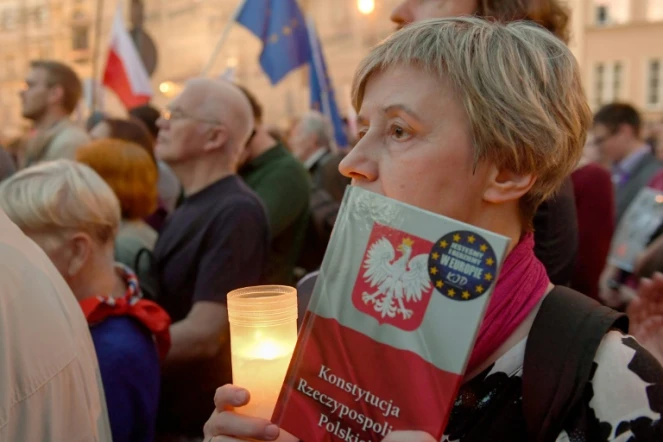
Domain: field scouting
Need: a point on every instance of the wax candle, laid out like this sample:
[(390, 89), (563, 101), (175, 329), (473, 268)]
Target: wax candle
[(263, 334)]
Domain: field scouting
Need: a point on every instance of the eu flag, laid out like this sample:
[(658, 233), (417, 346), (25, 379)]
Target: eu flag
[(281, 27), (322, 92)]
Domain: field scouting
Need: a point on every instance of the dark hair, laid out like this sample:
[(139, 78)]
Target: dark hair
[(551, 14), (149, 116), (615, 114), (131, 130), (60, 74), (256, 108)]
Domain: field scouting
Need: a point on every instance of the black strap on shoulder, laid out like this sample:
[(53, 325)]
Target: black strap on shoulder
[(560, 351)]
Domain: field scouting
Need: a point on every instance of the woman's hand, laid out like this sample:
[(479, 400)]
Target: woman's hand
[(227, 426), (408, 436), (645, 314)]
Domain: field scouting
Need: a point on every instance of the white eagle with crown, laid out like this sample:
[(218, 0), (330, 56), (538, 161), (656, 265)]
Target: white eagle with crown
[(397, 280)]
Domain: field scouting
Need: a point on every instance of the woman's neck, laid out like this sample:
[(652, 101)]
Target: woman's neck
[(517, 336), (502, 219), (101, 279)]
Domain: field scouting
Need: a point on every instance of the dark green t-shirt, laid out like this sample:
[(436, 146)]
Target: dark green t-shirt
[(283, 184)]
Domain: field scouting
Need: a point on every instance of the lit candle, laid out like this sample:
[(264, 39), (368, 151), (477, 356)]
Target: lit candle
[(263, 334)]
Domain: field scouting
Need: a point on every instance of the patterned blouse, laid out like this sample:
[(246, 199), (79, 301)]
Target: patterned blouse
[(623, 400)]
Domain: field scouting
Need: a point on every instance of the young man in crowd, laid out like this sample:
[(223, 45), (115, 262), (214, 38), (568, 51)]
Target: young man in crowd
[(51, 93), (617, 134), (215, 242)]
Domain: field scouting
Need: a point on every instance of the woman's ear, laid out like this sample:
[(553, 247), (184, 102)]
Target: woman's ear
[(80, 250), (505, 185)]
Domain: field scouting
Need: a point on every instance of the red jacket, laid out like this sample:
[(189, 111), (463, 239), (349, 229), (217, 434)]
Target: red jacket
[(595, 205)]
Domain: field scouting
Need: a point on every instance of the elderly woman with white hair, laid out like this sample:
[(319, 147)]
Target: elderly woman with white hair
[(73, 215), (481, 122)]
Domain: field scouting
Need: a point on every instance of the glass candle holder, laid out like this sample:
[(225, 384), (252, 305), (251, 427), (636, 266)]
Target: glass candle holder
[(263, 334)]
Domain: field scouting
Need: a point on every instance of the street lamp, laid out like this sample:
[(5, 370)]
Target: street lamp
[(169, 88), (366, 6), (166, 87)]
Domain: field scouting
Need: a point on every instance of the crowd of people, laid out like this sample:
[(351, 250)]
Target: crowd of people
[(120, 240)]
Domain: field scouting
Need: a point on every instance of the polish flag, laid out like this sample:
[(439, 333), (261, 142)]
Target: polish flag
[(125, 73)]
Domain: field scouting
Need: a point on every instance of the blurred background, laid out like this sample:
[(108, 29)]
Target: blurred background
[(618, 44)]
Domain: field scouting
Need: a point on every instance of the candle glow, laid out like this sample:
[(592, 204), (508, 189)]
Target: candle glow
[(263, 334)]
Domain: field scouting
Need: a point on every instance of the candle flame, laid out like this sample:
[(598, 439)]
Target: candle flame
[(268, 350)]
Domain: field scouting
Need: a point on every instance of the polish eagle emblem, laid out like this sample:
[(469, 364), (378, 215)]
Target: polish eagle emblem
[(396, 280)]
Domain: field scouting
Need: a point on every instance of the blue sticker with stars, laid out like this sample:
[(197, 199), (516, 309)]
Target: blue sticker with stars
[(462, 266)]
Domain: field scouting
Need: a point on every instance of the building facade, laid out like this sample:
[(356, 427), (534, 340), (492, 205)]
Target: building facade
[(185, 32), (617, 43), (623, 54)]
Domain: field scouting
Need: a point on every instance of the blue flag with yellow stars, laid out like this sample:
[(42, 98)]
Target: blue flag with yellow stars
[(322, 92), (281, 27)]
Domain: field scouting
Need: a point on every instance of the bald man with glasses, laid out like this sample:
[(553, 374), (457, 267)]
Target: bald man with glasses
[(216, 241)]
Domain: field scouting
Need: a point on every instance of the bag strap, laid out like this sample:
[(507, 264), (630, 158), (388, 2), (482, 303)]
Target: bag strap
[(559, 355)]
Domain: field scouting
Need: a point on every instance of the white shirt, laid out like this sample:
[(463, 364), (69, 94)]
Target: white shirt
[(315, 157), (50, 385)]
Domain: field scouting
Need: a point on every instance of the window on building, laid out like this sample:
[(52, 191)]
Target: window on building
[(599, 81), (654, 82), (8, 20), (617, 80), (41, 15), (601, 15), (80, 38), (610, 12)]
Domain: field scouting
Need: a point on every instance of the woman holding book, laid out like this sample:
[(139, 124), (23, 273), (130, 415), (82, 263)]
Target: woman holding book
[(481, 122)]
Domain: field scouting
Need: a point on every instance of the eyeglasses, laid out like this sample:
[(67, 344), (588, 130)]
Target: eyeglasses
[(178, 114), (600, 140)]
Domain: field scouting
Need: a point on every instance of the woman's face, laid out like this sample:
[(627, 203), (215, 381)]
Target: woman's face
[(416, 147)]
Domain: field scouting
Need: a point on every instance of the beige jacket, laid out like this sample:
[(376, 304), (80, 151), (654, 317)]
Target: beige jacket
[(50, 385), (59, 142)]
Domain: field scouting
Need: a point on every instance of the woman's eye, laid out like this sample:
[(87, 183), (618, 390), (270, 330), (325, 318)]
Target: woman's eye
[(399, 133)]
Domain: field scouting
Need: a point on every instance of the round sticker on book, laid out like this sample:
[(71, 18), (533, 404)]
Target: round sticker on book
[(462, 266)]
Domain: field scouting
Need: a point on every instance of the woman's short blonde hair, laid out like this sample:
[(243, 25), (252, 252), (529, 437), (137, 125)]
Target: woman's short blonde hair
[(60, 196), (128, 169), (520, 87)]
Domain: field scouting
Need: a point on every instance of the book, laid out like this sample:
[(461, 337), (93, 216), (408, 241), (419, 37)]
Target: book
[(636, 228), (391, 323)]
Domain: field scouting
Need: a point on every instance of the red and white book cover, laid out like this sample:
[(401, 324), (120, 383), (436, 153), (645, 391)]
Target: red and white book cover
[(391, 323)]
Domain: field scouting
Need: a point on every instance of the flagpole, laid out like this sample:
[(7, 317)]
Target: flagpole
[(96, 52), (317, 67), (222, 39)]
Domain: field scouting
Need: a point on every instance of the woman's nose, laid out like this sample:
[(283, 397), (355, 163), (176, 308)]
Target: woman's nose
[(359, 164)]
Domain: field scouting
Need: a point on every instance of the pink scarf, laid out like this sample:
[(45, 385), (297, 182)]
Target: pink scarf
[(521, 285)]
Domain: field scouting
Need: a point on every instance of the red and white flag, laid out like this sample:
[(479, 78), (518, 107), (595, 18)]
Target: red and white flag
[(125, 73)]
